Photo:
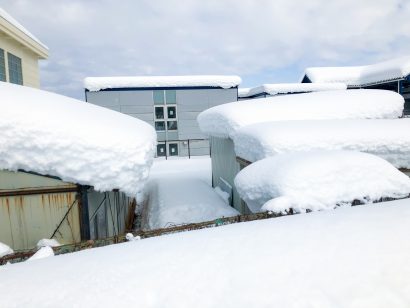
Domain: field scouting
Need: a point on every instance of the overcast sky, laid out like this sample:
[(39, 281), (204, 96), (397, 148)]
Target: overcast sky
[(262, 41)]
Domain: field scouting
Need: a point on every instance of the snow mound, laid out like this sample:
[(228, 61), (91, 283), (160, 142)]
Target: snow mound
[(45, 242), (78, 142), (224, 120), (318, 180), (5, 250), (361, 75), (100, 83), (43, 252), (286, 88), (386, 138)]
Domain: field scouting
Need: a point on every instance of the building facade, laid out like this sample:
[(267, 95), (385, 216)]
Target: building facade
[(171, 107), (20, 52)]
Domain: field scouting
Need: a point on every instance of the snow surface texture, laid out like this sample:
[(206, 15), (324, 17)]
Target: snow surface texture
[(15, 23), (351, 257), (224, 120), (45, 242), (100, 83), (43, 252), (286, 88), (5, 250), (361, 75), (179, 191), (78, 142), (318, 180), (386, 138)]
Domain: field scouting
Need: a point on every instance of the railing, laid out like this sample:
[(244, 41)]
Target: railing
[(187, 147)]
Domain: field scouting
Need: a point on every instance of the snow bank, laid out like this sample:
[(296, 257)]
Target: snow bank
[(45, 242), (352, 257), (224, 120), (43, 252), (100, 83), (242, 92), (318, 180), (286, 88), (361, 75), (5, 250), (73, 140), (15, 23), (386, 138)]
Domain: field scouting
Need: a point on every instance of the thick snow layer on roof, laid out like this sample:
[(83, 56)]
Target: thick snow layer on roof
[(243, 92), (15, 23), (386, 138), (286, 88), (224, 120), (318, 180), (100, 83), (351, 257), (79, 142), (361, 75)]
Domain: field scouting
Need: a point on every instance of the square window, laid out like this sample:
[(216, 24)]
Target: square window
[(159, 113), (171, 96), (172, 125), (161, 150), (173, 149), (2, 66), (158, 96), (172, 112), (15, 69), (160, 126)]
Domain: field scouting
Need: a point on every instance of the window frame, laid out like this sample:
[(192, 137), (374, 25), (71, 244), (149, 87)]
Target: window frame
[(15, 68)]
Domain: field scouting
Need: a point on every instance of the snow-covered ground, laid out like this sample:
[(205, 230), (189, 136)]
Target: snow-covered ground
[(349, 257), (179, 191)]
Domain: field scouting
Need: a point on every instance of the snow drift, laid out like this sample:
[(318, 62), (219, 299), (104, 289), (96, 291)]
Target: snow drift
[(78, 142), (318, 180), (224, 120)]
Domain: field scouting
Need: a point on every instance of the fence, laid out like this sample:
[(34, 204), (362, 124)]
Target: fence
[(184, 147)]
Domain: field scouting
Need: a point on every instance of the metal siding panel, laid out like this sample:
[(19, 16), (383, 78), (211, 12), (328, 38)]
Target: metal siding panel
[(104, 98), (147, 117), (136, 98), (137, 109), (222, 96)]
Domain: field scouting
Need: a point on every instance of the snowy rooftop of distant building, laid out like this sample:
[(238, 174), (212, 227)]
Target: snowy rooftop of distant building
[(216, 81), (387, 138), (6, 16), (287, 88), (78, 142), (224, 120), (361, 75)]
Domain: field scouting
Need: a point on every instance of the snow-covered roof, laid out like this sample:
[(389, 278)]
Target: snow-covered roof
[(361, 75), (224, 120), (216, 81), (387, 138), (6, 16), (78, 142), (318, 180), (287, 88)]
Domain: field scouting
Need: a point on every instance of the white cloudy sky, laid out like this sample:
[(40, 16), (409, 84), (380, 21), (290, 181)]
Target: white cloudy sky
[(263, 41)]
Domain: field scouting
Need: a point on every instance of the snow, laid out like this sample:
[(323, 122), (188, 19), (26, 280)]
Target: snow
[(5, 250), (179, 192), (286, 88), (351, 257), (386, 138), (78, 142), (224, 120), (223, 194), (361, 75), (15, 23), (43, 252), (243, 92), (318, 180), (45, 242), (217, 81)]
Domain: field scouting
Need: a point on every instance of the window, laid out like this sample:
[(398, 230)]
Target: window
[(172, 125), (159, 113), (160, 126), (15, 70), (173, 149), (2, 66), (161, 150), (172, 112), (158, 97), (165, 110), (171, 96)]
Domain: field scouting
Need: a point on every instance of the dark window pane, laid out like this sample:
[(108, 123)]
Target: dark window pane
[(159, 112), (2, 66), (15, 69), (172, 112), (161, 150), (173, 149), (171, 96), (172, 125), (160, 126), (158, 97)]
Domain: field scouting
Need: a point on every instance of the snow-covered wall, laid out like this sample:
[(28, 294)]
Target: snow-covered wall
[(216, 81), (78, 142), (224, 120), (387, 138)]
